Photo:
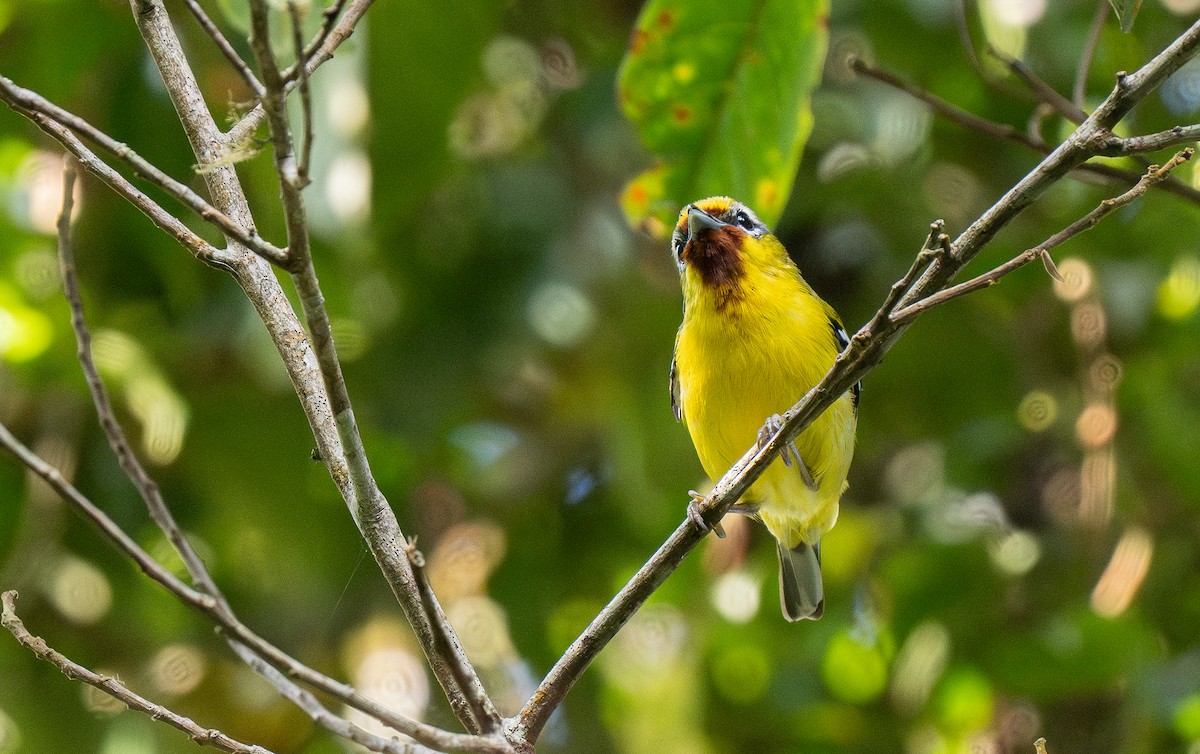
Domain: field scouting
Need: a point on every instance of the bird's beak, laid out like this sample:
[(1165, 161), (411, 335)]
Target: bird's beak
[(699, 220)]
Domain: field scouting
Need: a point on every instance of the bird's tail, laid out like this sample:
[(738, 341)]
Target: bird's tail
[(801, 592)]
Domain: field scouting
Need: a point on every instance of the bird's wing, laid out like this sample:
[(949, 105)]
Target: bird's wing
[(673, 379)]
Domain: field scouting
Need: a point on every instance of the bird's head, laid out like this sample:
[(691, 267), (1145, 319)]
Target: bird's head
[(718, 242)]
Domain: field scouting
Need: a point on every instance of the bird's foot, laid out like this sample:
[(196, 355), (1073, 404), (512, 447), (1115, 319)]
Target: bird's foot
[(789, 453), (693, 512)]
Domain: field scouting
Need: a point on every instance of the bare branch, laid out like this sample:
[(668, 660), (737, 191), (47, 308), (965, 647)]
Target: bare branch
[(944, 108), (480, 705), (29, 103), (321, 715), (108, 421), (1115, 146), (115, 534), (1043, 91), (199, 248), (1079, 91), (225, 47), (1005, 131), (305, 96), (370, 508), (116, 689), (244, 129), (1041, 251), (236, 631)]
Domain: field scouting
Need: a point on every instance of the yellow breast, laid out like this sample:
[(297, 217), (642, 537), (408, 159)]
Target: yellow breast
[(746, 356)]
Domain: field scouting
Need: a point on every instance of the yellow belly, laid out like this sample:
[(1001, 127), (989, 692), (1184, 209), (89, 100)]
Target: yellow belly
[(740, 367)]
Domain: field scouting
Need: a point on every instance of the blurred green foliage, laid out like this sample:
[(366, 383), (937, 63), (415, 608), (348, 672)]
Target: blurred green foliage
[(1018, 552)]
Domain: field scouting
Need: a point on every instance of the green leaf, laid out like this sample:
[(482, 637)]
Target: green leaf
[(1126, 11), (720, 92)]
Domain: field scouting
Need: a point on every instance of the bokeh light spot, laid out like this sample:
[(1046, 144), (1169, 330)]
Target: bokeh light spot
[(1187, 717), (1077, 279), (25, 333), (348, 186), (1123, 577), (1181, 91), (1038, 411), (1181, 7), (1179, 293), (10, 735), (561, 314), (1096, 425), (1089, 324), (919, 665), (965, 701), (853, 671), (737, 595), (1019, 13), (1016, 553), (79, 591), (177, 669)]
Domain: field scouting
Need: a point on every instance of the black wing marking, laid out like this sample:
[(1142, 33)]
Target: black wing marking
[(676, 408), (843, 342)]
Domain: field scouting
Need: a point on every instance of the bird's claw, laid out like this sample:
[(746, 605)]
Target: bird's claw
[(789, 453), (693, 513)]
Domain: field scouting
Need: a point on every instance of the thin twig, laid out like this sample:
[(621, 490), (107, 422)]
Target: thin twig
[(321, 715), (235, 630), (481, 707), (1116, 146), (1041, 251), (305, 96), (1005, 131), (242, 131), (225, 47), (1079, 91), (1043, 91), (942, 107), (199, 248), (368, 505), (122, 541), (114, 688), (328, 23), (30, 103), (117, 440)]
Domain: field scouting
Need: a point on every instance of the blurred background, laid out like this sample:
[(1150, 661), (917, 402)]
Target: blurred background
[(1018, 552)]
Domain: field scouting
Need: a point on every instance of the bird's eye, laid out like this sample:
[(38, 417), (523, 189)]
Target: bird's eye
[(743, 221), (677, 246)]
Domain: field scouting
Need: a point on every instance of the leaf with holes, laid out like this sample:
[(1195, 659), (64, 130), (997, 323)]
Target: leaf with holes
[(720, 92)]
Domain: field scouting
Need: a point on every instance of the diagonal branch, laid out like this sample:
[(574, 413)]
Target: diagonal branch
[(167, 222), (329, 39), (116, 689), (1041, 251), (326, 719), (225, 47), (30, 104), (241, 635), (368, 505), (117, 440), (1117, 146), (1004, 131), (1079, 91), (865, 351)]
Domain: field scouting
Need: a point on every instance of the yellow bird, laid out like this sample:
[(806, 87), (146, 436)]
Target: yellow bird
[(754, 339)]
